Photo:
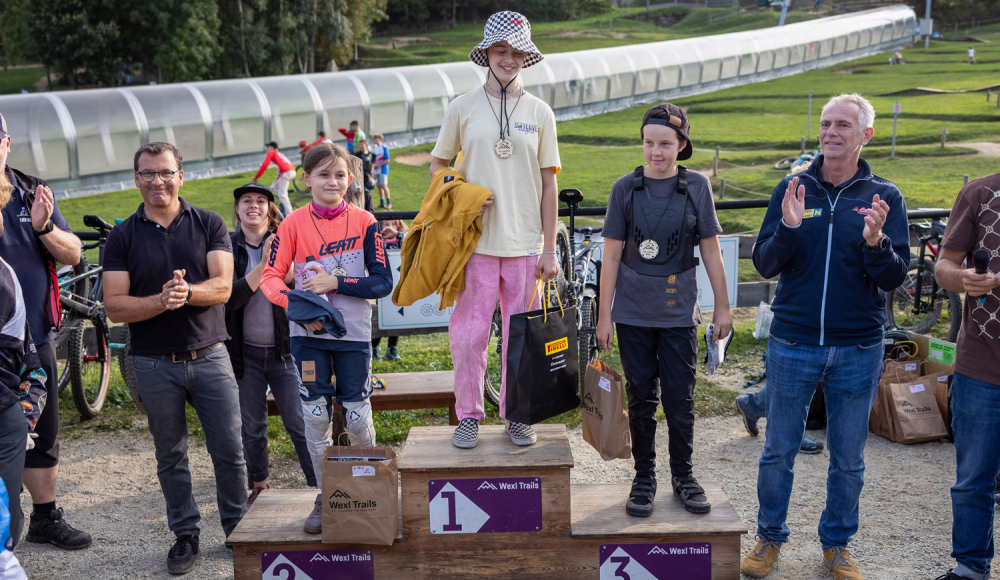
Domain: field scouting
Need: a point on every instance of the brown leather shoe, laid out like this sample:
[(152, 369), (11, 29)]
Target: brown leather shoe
[(758, 563), (840, 564)]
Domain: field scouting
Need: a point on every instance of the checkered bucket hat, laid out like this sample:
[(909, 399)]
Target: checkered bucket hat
[(509, 26)]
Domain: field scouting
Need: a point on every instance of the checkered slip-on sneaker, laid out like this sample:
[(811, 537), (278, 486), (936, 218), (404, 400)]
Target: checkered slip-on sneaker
[(466, 434), (521, 434)]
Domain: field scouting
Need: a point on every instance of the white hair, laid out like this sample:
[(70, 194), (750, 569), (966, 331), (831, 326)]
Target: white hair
[(866, 113)]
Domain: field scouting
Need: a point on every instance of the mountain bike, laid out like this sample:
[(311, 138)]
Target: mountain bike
[(790, 163), (917, 304), (87, 369)]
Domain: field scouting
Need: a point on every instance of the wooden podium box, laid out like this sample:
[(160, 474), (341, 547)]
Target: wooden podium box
[(577, 520)]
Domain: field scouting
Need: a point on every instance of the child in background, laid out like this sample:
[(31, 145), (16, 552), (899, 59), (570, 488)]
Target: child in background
[(335, 250), (352, 135), (380, 171), (651, 264)]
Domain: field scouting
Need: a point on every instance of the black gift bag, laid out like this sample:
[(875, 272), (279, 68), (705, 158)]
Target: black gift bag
[(541, 366)]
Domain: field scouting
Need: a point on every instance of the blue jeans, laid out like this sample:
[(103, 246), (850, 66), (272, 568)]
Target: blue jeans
[(849, 375), (975, 407), (755, 403), (262, 367), (209, 385)]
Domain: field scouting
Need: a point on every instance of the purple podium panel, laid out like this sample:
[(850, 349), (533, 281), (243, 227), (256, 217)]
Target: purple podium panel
[(318, 565), (485, 506), (656, 561)]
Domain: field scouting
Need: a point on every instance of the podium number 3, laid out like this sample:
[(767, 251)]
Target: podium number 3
[(622, 561), (452, 525), (285, 568)]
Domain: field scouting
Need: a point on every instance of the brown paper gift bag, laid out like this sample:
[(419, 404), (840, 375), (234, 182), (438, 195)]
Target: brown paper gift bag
[(915, 413), (605, 420), (360, 495)]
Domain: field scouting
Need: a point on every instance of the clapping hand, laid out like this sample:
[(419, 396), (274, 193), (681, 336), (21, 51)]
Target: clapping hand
[(42, 207), (874, 220), (175, 292)]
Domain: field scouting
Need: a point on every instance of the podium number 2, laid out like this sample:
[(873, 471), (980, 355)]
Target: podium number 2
[(285, 568), (622, 561), (452, 525)]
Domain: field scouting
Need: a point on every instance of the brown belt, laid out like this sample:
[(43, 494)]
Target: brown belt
[(187, 355)]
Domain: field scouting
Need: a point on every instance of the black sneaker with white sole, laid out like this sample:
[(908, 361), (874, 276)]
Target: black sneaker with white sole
[(520, 433), (180, 558), (466, 434)]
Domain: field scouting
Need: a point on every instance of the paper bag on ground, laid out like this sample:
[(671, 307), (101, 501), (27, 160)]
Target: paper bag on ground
[(915, 411), (360, 495), (605, 420)]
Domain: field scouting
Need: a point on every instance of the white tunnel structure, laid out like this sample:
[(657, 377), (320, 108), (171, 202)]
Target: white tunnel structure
[(84, 141)]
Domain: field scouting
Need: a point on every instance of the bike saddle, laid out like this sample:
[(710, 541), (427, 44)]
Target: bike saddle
[(573, 197)]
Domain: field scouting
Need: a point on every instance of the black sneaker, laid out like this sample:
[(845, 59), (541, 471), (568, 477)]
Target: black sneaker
[(749, 422), (950, 576), (692, 494), (809, 446), (180, 558), (640, 499), (53, 529)]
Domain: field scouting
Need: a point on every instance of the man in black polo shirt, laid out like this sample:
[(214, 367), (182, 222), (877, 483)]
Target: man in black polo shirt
[(36, 238), (168, 272)]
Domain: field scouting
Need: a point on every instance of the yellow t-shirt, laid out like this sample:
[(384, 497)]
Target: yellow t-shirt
[(512, 226)]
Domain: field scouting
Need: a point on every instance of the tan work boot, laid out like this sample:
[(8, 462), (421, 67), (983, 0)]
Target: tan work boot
[(758, 563), (840, 564)]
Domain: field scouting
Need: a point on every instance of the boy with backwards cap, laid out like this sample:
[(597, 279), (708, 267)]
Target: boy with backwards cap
[(656, 216)]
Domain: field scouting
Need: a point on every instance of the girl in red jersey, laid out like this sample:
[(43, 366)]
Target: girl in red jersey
[(335, 250)]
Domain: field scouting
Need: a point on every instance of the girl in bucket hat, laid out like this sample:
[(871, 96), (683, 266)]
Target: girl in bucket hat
[(507, 138)]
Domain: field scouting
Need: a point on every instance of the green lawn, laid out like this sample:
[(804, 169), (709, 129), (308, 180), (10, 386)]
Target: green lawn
[(15, 79), (627, 26)]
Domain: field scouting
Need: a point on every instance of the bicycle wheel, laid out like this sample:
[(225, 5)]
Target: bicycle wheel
[(297, 181), (494, 361), (956, 311), (786, 163), (900, 308), (587, 340), (70, 318), (88, 375), (565, 262), (127, 371)]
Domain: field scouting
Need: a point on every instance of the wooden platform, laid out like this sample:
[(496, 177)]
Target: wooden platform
[(427, 390), (577, 519)]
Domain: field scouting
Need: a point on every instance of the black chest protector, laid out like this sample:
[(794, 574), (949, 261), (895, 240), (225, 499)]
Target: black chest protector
[(659, 243)]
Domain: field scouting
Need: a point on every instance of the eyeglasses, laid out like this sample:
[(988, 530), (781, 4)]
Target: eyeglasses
[(165, 175)]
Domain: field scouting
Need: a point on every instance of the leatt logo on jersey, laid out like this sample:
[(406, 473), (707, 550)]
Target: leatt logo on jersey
[(274, 250), (337, 247), (556, 346)]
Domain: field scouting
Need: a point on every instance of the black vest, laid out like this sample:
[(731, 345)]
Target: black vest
[(659, 243)]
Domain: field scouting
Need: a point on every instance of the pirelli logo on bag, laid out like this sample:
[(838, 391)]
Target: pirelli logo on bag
[(556, 346)]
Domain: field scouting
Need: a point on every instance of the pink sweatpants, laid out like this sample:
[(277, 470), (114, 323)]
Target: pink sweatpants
[(487, 278)]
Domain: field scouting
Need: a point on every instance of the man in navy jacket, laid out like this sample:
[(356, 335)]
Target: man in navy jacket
[(837, 235)]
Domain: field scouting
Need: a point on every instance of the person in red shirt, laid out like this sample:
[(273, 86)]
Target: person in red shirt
[(320, 138), (286, 173), (354, 135)]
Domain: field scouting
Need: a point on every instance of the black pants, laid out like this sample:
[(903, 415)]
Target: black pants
[(46, 451), (659, 367), (393, 341), (13, 439)]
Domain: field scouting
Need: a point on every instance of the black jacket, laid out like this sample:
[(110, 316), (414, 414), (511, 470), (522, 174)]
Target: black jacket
[(238, 299)]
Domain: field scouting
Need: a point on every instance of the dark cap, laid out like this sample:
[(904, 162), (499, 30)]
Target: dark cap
[(3, 127), (272, 144), (253, 187), (671, 116)]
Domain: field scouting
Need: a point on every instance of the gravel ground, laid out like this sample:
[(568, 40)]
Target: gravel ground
[(109, 488)]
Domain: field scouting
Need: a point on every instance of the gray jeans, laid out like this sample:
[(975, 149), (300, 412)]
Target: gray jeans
[(209, 385), (262, 367)]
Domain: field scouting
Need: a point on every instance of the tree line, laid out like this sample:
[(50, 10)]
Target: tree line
[(109, 42)]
